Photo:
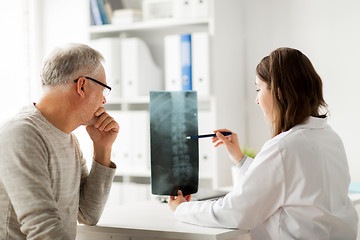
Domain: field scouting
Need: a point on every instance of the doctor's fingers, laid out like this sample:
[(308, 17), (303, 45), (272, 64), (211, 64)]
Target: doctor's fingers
[(179, 194), (223, 138), (218, 143), (219, 130), (232, 137)]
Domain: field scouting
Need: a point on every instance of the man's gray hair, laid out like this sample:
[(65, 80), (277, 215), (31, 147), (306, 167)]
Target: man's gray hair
[(73, 60)]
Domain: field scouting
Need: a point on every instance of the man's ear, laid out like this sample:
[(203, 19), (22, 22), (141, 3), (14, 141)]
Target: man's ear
[(80, 84)]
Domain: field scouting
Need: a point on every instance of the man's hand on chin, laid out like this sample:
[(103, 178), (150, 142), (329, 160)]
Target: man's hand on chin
[(104, 130)]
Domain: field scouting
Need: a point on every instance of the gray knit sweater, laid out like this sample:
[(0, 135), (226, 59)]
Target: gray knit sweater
[(45, 186)]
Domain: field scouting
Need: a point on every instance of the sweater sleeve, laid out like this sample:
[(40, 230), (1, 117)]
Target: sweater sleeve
[(94, 191), (24, 175)]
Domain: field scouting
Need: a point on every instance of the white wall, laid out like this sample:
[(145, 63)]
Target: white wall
[(30, 30), (54, 23), (65, 21), (14, 87), (328, 32)]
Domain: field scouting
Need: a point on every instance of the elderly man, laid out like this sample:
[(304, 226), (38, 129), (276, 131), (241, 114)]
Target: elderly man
[(45, 186)]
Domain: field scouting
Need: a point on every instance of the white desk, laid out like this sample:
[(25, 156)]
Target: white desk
[(149, 220), (154, 220)]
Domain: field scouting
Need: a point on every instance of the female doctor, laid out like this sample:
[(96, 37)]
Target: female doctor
[(297, 185)]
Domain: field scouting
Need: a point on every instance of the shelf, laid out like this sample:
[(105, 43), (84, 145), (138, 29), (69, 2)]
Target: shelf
[(148, 25), (162, 24), (133, 177), (143, 174)]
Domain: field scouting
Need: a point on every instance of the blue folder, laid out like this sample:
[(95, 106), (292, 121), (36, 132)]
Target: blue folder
[(185, 55)]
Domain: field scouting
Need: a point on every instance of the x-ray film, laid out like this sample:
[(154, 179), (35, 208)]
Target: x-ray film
[(174, 159)]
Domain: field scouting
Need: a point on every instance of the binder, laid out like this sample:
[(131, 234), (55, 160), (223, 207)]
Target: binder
[(140, 141), (116, 194), (108, 10), (101, 6), (140, 74), (183, 9), (185, 56), (95, 12), (206, 148), (92, 19), (86, 144), (200, 63), (182, 73), (157, 9), (172, 63), (131, 149), (200, 8), (110, 49), (121, 152)]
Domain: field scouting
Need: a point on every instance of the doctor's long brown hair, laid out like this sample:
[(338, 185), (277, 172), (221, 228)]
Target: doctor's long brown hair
[(295, 87)]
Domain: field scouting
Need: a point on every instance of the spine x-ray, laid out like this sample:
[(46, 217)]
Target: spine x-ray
[(174, 159)]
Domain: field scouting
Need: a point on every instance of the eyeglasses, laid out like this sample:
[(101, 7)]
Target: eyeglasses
[(106, 90)]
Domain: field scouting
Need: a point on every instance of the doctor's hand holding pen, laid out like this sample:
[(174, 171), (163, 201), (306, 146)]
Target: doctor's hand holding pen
[(231, 143)]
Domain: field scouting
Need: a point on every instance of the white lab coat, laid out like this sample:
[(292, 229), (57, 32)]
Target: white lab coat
[(295, 188)]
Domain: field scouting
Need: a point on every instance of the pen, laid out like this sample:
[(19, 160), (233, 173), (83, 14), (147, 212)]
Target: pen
[(208, 135)]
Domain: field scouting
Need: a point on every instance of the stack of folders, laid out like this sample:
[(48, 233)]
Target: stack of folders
[(187, 62), (129, 66)]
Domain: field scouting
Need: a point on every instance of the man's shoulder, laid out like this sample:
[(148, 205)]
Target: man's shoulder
[(24, 123)]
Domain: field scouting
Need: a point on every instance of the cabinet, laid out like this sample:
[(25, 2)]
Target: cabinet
[(223, 108)]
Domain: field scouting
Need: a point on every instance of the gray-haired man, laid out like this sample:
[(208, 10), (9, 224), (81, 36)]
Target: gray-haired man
[(45, 186)]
